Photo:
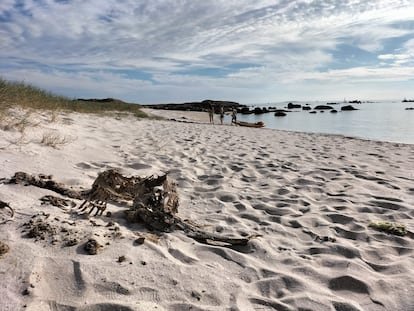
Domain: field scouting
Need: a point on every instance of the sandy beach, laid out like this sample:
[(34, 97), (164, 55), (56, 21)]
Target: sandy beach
[(306, 201)]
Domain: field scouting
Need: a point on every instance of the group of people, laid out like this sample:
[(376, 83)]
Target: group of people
[(211, 114)]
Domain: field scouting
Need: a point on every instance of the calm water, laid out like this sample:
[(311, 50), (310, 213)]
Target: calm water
[(385, 121)]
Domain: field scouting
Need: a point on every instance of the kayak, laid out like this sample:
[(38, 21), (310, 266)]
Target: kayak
[(257, 124)]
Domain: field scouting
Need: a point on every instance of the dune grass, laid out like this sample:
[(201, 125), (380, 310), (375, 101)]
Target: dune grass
[(54, 140), (19, 94), (389, 227)]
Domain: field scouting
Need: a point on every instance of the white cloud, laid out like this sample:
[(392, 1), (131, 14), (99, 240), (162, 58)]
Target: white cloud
[(395, 57), (284, 41), (405, 55)]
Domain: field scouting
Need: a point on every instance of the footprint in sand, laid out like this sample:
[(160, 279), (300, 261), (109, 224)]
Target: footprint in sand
[(138, 166), (179, 255), (387, 205), (348, 283)]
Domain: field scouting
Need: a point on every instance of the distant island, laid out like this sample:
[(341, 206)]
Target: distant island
[(197, 106), (408, 100)]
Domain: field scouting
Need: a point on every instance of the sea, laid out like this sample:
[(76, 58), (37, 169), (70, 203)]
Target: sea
[(375, 120)]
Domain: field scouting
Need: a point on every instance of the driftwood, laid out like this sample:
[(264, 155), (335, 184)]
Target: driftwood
[(109, 185), (58, 202), (156, 205), (44, 181), (4, 205), (155, 202)]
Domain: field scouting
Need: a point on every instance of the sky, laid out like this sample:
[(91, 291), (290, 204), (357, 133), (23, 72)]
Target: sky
[(248, 51)]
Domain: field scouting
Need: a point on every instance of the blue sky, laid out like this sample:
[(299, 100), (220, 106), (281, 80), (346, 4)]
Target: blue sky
[(250, 51)]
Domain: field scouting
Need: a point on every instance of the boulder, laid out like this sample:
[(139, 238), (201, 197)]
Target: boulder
[(293, 106), (244, 110), (258, 110), (348, 108), (323, 107), (280, 114)]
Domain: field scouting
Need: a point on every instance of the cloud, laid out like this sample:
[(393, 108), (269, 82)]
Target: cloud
[(397, 59), (85, 44), (405, 55)]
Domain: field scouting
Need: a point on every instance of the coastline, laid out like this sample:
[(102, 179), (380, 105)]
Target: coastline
[(202, 117), (308, 198)]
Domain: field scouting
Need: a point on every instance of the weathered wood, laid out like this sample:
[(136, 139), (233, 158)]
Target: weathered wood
[(44, 181), (4, 205), (58, 202), (217, 240), (113, 185), (158, 211), (155, 206)]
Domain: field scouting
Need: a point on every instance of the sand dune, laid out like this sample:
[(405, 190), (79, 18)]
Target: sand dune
[(309, 199)]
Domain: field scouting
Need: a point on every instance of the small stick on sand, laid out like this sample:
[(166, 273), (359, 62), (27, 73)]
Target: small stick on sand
[(6, 205)]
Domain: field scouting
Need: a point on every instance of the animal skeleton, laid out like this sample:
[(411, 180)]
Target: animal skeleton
[(109, 185), (155, 201)]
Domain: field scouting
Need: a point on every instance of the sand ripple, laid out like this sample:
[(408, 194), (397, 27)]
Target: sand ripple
[(308, 198)]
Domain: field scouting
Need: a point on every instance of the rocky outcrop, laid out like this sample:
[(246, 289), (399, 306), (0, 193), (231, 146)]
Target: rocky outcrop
[(280, 113), (293, 106), (348, 108), (198, 106), (100, 100), (244, 110), (323, 107), (258, 110)]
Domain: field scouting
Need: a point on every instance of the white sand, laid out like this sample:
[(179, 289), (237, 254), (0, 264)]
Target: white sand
[(311, 197)]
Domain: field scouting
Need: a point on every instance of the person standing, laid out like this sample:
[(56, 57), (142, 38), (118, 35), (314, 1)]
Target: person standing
[(211, 114), (221, 114), (234, 116)]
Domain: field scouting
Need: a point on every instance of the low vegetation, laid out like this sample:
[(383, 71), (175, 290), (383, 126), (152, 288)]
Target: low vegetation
[(4, 248), (18, 94), (13, 121), (24, 106), (54, 140), (389, 227)]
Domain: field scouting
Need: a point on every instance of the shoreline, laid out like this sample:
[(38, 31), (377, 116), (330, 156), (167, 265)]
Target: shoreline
[(307, 199), (202, 118)]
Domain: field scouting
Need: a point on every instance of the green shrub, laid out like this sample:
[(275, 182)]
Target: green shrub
[(389, 227)]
